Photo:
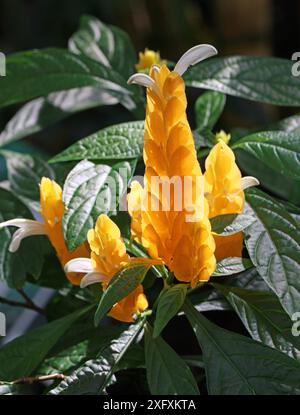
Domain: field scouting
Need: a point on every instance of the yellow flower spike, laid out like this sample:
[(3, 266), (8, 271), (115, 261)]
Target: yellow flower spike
[(224, 187), (109, 256), (222, 136), (52, 210), (147, 59), (185, 246)]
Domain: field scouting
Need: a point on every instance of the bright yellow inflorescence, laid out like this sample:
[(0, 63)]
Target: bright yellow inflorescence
[(108, 257), (187, 248), (223, 191), (52, 210)]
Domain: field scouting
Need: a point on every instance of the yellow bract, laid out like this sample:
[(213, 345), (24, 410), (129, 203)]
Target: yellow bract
[(147, 59), (223, 191), (187, 248), (108, 257), (52, 210)]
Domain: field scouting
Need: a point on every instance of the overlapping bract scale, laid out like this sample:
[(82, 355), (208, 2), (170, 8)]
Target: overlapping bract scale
[(174, 226)]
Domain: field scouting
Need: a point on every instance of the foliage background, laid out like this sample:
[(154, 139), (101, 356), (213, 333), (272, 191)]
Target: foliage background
[(248, 27), (261, 27)]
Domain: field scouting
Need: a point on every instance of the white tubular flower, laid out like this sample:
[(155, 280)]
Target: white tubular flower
[(27, 227), (84, 265), (191, 57), (249, 181)]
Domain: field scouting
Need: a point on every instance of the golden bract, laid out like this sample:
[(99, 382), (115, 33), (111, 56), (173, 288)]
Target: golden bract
[(187, 248), (52, 210)]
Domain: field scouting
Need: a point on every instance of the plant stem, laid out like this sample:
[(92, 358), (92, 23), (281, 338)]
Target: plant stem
[(27, 304), (33, 379)]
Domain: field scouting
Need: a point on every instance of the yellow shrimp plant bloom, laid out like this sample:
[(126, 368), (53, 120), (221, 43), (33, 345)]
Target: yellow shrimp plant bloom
[(52, 210), (108, 256), (185, 246), (224, 192)]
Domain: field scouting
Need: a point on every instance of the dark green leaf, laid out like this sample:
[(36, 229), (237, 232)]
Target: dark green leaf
[(277, 149), (43, 112), (89, 190), (71, 357), (264, 79), (20, 357), (208, 108), (271, 180), (273, 243), (226, 225), (19, 389), (24, 175), (264, 318), (29, 257), (94, 376), (104, 43), (167, 373), (210, 299), (36, 73), (122, 141), (237, 365), (122, 284), (231, 265), (170, 302)]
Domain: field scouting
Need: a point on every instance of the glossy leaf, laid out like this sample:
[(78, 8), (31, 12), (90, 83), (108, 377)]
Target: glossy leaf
[(167, 373), (122, 284), (271, 180), (277, 149), (208, 108), (273, 243), (89, 190), (169, 303), (29, 258), (36, 73), (24, 174), (226, 225), (20, 357), (237, 365), (94, 376), (211, 300), (122, 141), (43, 112), (231, 265), (104, 43), (264, 318), (264, 79)]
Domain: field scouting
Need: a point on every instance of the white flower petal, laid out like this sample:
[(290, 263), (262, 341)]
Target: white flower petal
[(249, 181), (143, 80), (27, 227), (92, 278), (21, 223), (79, 265), (193, 56)]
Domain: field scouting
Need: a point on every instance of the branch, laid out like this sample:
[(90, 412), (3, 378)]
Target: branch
[(28, 304), (33, 379)]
